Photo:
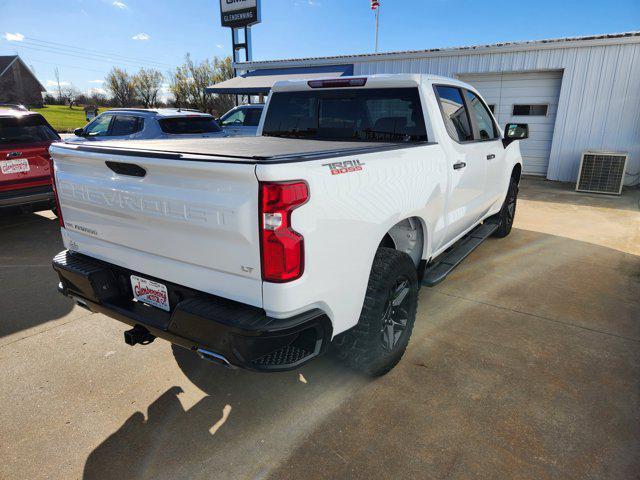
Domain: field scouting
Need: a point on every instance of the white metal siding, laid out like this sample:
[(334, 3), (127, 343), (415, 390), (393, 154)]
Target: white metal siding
[(504, 90), (599, 103)]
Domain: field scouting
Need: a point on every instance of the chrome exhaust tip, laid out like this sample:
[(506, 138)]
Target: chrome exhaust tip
[(213, 358)]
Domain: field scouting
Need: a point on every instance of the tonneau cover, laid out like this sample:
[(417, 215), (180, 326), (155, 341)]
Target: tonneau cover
[(240, 148)]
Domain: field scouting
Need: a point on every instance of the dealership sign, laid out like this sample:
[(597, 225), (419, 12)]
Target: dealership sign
[(239, 13)]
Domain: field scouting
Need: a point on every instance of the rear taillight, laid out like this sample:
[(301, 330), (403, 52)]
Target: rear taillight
[(55, 191), (282, 247)]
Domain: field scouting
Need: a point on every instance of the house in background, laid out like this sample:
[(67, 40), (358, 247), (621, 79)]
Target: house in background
[(18, 84)]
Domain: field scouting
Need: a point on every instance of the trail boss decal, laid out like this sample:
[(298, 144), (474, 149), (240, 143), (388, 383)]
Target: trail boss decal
[(347, 166)]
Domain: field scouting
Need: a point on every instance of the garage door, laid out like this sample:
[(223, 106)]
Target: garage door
[(524, 98)]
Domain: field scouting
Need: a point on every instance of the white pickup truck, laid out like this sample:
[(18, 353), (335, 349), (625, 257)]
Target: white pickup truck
[(260, 252)]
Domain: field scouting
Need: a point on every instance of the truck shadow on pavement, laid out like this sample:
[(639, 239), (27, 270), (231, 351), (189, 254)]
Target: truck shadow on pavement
[(29, 297), (241, 411), (522, 365)]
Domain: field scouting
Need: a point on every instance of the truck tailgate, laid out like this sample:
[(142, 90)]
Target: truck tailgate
[(193, 223), (26, 165)]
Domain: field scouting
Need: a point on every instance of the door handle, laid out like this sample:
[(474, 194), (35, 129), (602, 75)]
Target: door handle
[(13, 154), (459, 165), (491, 156), (130, 169)]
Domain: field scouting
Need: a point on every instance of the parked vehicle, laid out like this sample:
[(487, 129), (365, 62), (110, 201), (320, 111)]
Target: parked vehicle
[(259, 252), (25, 174), (141, 124), (13, 106), (242, 121)]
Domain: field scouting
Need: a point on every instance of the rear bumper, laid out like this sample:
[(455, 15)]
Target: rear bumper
[(26, 196), (243, 335)]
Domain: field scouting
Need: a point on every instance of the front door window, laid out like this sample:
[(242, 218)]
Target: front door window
[(99, 127), (233, 119)]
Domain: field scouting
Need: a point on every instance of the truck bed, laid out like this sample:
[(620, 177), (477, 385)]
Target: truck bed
[(237, 149)]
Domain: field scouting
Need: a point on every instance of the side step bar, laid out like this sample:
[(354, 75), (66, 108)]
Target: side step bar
[(438, 271)]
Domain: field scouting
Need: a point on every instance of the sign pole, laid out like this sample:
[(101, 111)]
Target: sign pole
[(233, 59), (239, 15), (241, 44)]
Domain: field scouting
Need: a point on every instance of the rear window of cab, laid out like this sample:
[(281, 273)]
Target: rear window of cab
[(26, 129), (370, 114)]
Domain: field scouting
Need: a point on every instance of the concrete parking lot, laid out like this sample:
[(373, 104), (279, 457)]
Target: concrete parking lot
[(524, 363)]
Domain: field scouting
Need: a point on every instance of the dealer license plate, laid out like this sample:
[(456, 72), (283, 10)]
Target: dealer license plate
[(150, 292), (14, 166)]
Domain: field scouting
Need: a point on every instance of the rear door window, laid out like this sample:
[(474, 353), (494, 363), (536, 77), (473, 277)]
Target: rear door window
[(189, 125), (125, 125), (454, 113), (26, 129)]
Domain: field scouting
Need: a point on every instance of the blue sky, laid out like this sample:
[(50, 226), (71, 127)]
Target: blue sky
[(152, 33)]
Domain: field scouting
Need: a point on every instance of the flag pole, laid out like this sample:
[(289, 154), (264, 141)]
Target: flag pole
[(377, 21)]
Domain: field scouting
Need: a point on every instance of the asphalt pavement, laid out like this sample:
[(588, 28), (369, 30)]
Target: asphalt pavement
[(524, 363)]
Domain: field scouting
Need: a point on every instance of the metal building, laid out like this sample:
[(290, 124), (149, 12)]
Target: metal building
[(576, 94)]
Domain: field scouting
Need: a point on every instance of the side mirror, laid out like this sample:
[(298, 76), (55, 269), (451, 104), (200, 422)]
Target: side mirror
[(79, 132), (515, 131)]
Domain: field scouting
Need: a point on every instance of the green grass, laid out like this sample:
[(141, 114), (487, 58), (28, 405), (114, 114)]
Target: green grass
[(63, 118)]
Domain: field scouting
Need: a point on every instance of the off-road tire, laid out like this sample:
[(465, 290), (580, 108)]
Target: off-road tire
[(507, 213), (362, 346)]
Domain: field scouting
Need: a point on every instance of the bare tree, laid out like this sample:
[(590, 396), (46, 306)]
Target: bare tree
[(178, 81), (147, 84), (189, 81), (97, 98), (223, 71), (200, 76), (121, 86), (82, 99), (69, 94)]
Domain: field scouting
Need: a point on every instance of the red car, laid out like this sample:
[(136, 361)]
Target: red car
[(25, 165)]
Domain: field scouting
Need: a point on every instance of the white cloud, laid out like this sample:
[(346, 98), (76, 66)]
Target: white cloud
[(14, 37), (220, 46), (141, 36), (96, 81), (53, 83), (96, 91), (120, 5), (313, 3)]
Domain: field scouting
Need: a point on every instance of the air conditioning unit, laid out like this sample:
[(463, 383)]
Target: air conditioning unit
[(602, 172)]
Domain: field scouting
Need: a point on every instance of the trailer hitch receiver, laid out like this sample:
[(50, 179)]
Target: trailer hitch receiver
[(138, 334)]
